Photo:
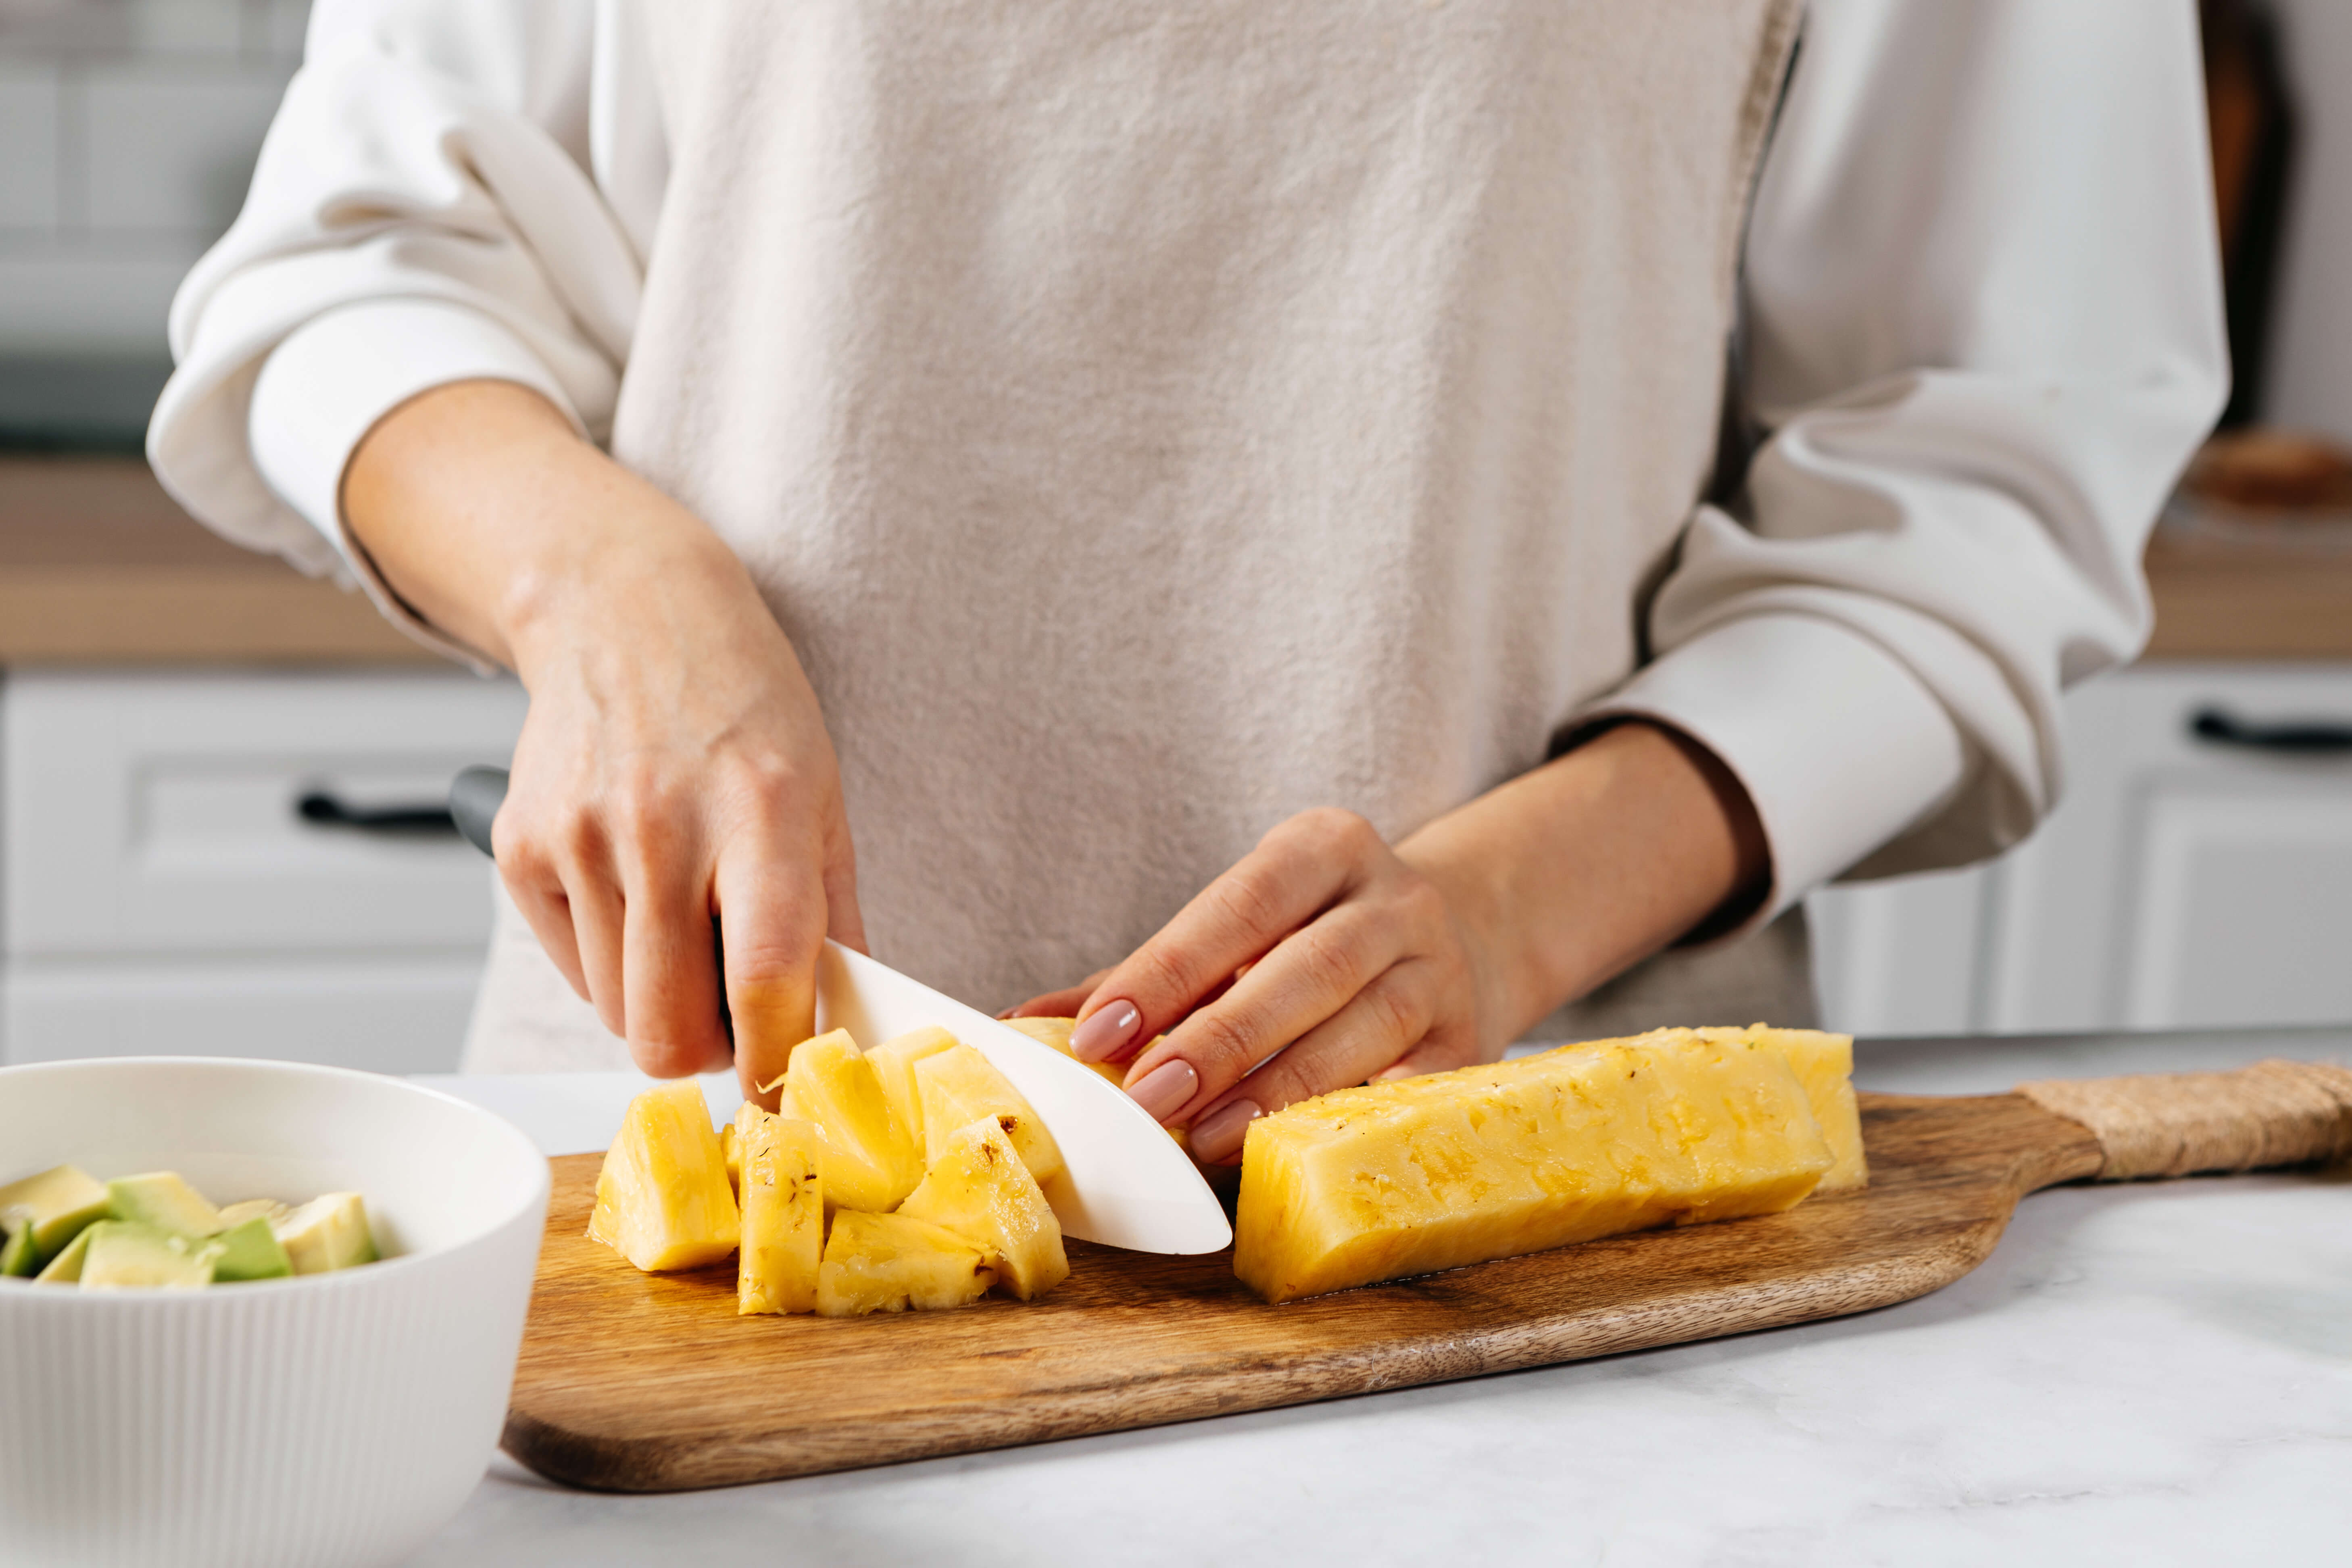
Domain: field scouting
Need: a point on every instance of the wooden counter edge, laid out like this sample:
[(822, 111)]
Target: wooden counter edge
[(190, 615)]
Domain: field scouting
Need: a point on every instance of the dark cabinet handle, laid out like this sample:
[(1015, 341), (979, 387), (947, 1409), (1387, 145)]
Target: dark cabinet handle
[(317, 805), (2305, 737)]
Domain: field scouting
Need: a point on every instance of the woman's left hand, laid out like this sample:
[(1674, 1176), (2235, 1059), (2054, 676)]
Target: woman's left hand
[(1324, 958)]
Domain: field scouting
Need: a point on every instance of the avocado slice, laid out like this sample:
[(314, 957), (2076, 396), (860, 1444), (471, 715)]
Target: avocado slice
[(64, 1268), (328, 1233), (164, 1200), (16, 1256), (57, 1203), (128, 1255), (249, 1250)]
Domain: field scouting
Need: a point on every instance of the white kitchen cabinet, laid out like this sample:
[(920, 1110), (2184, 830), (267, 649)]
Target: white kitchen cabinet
[(159, 892), (2183, 881), (164, 893)]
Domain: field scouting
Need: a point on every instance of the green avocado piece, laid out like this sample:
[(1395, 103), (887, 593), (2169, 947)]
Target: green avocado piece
[(328, 1233), (235, 1215), (125, 1256), (164, 1200), (249, 1250), (64, 1268), (58, 1202), (16, 1256)]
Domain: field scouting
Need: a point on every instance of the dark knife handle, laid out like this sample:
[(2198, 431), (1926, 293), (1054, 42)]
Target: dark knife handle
[(475, 796)]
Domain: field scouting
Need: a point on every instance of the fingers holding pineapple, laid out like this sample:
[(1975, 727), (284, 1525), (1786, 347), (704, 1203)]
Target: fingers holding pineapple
[(1323, 958)]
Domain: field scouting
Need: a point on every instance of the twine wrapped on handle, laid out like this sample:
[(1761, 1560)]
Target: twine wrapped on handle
[(2170, 1124)]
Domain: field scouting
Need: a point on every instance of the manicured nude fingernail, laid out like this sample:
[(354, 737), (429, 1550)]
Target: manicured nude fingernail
[(1108, 1033), (1163, 1090), (1217, 1137)]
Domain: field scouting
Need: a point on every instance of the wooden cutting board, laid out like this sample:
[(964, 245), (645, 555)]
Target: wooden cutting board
[(631, 1382)]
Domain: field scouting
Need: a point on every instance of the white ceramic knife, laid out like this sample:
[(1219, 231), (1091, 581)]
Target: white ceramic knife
[(1125, 1183)]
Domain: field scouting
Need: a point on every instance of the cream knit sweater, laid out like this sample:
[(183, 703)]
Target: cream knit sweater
[(1149, 422)]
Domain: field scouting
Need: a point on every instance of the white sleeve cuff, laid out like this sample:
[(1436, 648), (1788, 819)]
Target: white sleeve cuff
[(324, 387), (1838, 744)]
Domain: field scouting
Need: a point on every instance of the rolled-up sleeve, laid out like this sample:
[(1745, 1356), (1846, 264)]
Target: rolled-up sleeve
[(1981, 334), (432, 203)]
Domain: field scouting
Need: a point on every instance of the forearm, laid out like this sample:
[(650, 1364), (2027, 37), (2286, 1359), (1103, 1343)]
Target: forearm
[(1571, 873), (494, 521), (674, 768)]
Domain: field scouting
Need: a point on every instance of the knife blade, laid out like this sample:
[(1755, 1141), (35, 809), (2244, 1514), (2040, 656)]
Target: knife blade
[(1125, 1183)]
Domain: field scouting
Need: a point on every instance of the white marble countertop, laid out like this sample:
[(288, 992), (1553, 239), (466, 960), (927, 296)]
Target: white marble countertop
[(2159, 1373)]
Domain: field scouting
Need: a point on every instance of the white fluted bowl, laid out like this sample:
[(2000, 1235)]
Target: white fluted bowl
[(333, 1419)]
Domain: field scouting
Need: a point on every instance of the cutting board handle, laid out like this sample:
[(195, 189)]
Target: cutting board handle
[(2172, 1124)]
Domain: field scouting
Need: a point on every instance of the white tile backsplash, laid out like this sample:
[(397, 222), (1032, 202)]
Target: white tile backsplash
[(171, 149), (277, 27), (128, 132), (61, 300), (125, 26), (28, 147)]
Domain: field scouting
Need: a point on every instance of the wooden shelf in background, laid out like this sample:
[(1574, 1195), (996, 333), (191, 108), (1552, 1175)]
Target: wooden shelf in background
[(97, 565), (2237, 602)]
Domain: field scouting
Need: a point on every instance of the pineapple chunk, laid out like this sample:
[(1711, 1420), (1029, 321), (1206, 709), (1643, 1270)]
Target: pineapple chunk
[(979, 1188), (730, 1148), (868, 1160), (783, 1215), (662, 1199), (894, 1063), (1423, 1173), (957, 1086), (888, 1262), (1056, 1033)]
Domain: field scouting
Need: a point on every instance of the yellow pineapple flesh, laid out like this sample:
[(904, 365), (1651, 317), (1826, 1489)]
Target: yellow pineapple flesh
[(868, 1160), (894, 1064), (662, 1197), (888, 1262), (957, 1086), (1824, 1064), (979, 1187), (782, 1238), (731, 1151), (1423, 1174)]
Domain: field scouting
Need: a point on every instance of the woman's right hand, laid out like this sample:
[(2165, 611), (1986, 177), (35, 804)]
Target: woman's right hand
[(674, 769)]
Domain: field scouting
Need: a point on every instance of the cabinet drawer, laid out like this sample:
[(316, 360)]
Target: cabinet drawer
[(156, 814), (397, 1015), (2188, 878)]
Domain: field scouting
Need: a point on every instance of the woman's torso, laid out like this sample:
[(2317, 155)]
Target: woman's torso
[(1149, 421)]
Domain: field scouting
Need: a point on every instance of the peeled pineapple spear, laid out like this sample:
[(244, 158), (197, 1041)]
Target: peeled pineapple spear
[(784, 1214), (1424, 1173), (1824, 1066)]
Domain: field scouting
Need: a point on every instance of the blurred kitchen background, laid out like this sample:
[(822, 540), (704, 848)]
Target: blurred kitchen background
[(219, 782)]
